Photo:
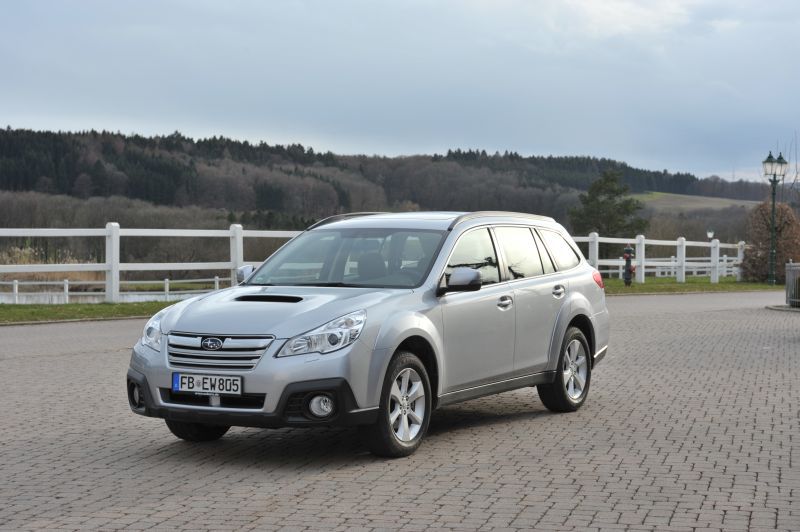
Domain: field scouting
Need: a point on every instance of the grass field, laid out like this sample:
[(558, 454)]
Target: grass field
[(666, 285), (78, 311), (662, 201), (93, 311)]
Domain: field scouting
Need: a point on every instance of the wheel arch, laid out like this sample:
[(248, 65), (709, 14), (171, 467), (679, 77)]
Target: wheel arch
[(584, 324), (422, 348)]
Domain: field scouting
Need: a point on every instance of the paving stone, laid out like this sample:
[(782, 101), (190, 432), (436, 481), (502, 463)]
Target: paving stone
[(691, 424)]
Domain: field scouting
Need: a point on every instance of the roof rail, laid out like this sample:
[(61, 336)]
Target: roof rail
[(478, 214), (339, 217)]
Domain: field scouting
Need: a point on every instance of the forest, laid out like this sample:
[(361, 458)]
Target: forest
[(276, 186)]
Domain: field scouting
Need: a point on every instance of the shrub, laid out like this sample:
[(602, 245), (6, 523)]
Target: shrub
[(755, 266)]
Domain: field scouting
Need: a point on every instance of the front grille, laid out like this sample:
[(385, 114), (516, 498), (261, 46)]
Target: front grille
[(238, 352)]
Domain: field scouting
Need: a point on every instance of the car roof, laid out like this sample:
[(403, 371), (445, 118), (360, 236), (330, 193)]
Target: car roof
[(432, 220)]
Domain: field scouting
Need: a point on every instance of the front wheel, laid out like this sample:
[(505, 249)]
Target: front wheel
[(568, 391), (404, 411), (196, 432)]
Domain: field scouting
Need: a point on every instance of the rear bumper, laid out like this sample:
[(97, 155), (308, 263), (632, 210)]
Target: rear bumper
[(291, 411)]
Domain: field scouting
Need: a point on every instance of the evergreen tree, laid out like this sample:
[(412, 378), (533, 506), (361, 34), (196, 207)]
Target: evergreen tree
[(607, 209)]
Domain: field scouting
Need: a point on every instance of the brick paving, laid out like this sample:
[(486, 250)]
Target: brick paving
[(691, 424)]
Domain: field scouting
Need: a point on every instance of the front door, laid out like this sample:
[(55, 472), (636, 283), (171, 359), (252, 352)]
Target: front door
[(479, 326)]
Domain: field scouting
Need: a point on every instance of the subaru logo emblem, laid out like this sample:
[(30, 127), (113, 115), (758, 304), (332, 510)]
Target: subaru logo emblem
[(211, 344)]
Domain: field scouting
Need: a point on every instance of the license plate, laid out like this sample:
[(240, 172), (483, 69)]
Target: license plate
[(206, 384)]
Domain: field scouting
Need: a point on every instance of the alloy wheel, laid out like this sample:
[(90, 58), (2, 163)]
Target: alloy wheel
[(575, 369), (407, 405)]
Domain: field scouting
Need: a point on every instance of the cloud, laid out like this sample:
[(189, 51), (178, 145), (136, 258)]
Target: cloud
[(664, 84)]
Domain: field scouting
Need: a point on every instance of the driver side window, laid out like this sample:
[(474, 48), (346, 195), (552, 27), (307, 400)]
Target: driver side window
[(475, 250)]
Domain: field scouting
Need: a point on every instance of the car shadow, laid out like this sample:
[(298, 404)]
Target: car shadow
[(454, 419), (325, 448)]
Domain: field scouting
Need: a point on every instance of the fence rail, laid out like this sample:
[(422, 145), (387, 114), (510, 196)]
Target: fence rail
[(677, 265)]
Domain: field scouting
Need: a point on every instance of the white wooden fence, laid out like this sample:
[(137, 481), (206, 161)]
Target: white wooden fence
[(677, 265), (112, 265)]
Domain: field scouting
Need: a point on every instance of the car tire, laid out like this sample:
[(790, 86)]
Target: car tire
[(196, 432), (404, 414), (569, 390)]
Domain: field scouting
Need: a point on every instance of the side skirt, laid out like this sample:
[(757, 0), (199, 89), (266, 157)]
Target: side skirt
[(496, 387), (599, 355)]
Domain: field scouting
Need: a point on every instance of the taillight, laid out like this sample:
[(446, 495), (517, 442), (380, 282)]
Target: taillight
[(598, 279)]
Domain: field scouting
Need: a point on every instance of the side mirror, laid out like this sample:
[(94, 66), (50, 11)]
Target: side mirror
[(243, 272), (461, 280)]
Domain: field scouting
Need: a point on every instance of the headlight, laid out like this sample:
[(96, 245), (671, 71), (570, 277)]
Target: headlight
[(151, 336), (332, 336)]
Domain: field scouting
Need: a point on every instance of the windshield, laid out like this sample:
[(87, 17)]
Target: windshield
[(382, 258)]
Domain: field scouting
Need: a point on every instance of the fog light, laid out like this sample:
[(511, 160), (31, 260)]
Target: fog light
[(135, 395), (321, 405)]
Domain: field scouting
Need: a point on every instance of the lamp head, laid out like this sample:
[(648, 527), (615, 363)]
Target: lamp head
[(768, 165), (781, 165)]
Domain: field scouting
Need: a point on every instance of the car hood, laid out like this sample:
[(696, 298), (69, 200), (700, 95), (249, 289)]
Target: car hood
[(282, 311)]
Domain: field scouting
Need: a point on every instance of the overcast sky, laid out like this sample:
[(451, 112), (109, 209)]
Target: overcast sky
[(686, 85)]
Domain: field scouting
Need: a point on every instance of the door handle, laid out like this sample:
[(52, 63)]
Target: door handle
[(558, 291), (505, 302)]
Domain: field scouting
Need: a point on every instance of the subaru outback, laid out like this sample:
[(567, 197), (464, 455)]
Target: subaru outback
[(375, 320)]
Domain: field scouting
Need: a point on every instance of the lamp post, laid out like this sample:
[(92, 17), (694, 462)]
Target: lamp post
[(776, 168)]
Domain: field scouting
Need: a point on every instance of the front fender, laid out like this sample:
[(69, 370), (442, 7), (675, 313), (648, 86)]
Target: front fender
[(396, 329)]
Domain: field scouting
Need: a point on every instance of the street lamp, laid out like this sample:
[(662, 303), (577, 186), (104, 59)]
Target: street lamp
[(777, 169), (710, 234)]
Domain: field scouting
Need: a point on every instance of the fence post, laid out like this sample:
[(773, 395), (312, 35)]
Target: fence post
[(216, 282), (66, 291), (639, 258), (739, 259), (166, 289), (594, 249), (15, 291), (724, 272), (621, 269), (237, 250), (714, 261), (112, 262), (681, 260)]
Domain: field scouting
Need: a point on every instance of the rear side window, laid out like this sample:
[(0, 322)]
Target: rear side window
[(547, 264), (475, 250), (562, 253), (519, 249)]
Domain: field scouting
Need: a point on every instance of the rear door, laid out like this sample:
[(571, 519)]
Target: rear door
[(538, 292), (478, 326)]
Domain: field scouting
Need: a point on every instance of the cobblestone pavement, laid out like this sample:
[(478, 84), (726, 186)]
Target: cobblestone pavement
[(691, 424)]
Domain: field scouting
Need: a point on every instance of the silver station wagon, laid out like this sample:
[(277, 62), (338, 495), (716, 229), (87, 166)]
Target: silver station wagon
[(375, 320)]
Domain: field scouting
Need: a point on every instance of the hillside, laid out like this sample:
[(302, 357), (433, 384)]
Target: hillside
[(665, 202), (252, 181)]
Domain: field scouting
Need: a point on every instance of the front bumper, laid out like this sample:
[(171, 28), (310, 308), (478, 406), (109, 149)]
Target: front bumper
[(275, 392), (291, 411)]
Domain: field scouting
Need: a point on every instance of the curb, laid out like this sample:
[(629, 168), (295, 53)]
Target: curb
[(783, 308), (690, 293)]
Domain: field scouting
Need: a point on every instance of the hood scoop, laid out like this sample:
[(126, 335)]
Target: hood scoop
[(269, 298)]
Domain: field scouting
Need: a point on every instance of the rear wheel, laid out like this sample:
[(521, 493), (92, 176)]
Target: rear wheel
[(196, 432), (404, 411), (568, 391)]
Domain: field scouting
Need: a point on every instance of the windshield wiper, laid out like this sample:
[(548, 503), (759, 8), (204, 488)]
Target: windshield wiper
[(259, 284)]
